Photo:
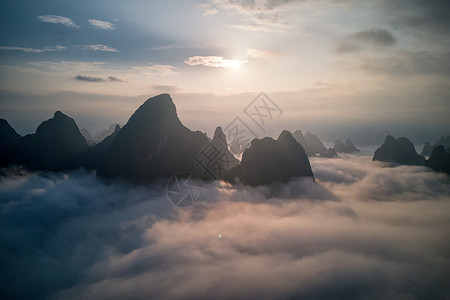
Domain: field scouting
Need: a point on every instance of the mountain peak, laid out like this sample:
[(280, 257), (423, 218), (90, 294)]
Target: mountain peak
[(152, 144), (55, 143), (58, 114), (218, 131), (389, 139), (399, 150), (285, 135), (267, 161), (162, 99)]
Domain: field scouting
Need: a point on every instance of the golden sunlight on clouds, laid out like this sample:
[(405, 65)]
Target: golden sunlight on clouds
[(214, 61)]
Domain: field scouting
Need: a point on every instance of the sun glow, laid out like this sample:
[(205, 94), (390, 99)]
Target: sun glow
[(214, 61), (233, 64)]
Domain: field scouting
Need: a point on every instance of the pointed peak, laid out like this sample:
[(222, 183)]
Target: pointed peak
[(58, 114), (389, 139), (218, 131), (4, 123), (160, 98), (310, 135), (160, 104), (298, 132), (113, 126), (285, 135), (117, 128)]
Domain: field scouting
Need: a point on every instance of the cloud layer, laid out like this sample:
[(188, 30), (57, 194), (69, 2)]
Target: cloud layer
[(213, 61), (97, 79), (101, 24), (33, 50), (366, 39), (97, 47), (58, 19), (363, 231)]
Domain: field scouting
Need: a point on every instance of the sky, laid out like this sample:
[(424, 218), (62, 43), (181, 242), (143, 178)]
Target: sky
[(329, 65)]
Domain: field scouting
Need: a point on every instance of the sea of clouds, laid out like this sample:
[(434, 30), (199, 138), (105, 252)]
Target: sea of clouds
[(362, 230)]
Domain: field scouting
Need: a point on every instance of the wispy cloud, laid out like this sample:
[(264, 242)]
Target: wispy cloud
[(102, 24), (166, 88), (33, 50), (151, 70), (213, 61), (97, 79), (58, 19), (207, 9), (66, 66), (322, 84), (258, 53), (97, 47), (360, 40)]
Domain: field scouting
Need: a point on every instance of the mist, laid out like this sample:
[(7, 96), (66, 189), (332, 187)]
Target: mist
[(363, 230), (328, 112)]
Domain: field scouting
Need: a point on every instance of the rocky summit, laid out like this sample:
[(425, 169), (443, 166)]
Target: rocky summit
[(399, 151), (152, 144), (267, 161)]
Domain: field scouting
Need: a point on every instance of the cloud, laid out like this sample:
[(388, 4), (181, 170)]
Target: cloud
[(409, 64), (58, 19), (322, 84), (258, 5), (101, 24), (424, 17), (207, 9), (263, 16), (151, 70), (213, 61), (114, 79), (97, 79), (66, 66), (377, 37), (258, 53), (97, 47), (366, 39), (71, 236), (33, 50), (165, 88)]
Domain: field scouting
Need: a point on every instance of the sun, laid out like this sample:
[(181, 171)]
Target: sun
[(234, 64)]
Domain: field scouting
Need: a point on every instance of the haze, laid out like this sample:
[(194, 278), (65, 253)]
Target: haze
[(330, 65)]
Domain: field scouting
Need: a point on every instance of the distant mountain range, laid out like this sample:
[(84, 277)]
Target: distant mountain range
[(154, 144), (314, 146), (93, 140), (443, 141), (401, 151)]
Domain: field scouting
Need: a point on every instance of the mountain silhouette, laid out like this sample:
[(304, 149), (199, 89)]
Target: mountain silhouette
[(311, 143), (9, 140), (439, 160), (267, 161), (88, 137), (314, 144), (153, 144), (219, 141), (56, 142), (399, 150), (93, 157), (330, 153), (104, 133), (348, 147), (428, 148)]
